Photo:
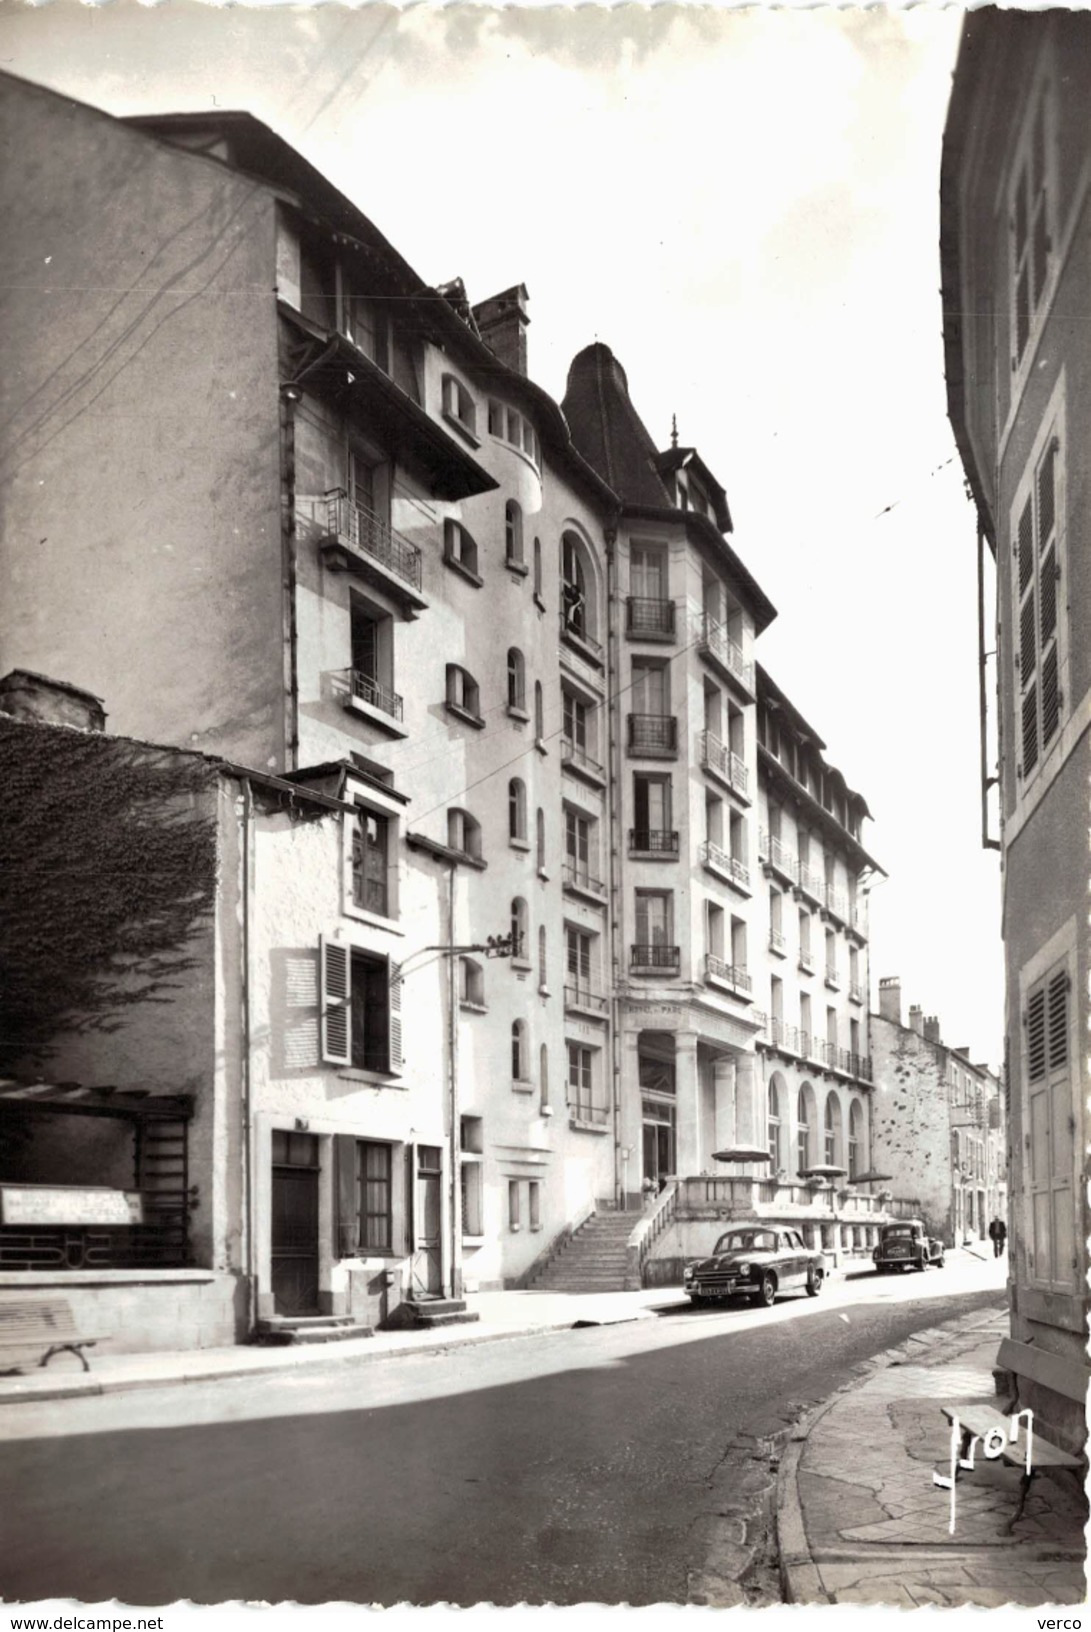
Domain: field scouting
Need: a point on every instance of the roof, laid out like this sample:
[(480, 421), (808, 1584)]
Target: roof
[(773, 697), (689, 459)]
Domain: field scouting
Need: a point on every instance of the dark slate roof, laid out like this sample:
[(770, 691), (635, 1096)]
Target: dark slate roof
[(609, 432)]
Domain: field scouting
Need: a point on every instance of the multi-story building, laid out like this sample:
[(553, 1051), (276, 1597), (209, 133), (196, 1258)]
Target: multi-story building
[(1015, 244), (938, 1124)]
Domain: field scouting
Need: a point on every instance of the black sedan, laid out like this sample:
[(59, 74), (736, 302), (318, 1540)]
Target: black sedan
[(756, 1262)]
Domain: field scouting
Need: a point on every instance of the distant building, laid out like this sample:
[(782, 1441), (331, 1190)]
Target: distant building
[(1016, 244), (938, 1127)]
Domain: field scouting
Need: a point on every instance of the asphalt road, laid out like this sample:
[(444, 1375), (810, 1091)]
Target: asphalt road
[(568, 1467)]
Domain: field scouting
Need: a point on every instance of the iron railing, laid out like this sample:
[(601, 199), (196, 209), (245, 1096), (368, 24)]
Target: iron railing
[(647, 616), (581, 996), (714, 855), (811, 883), (354, 524), (714, 641), (653, 734), (777, 854), (654, 840), (777, 941), (369, 690), (573, 754), (580, 879), (833, 977), (593, 1115), (574, 630), (717, 757), (74, 1247), (733, 973), (856, 991), (647, 955)]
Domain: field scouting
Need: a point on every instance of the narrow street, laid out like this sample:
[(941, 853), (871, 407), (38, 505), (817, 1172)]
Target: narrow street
[(569, 1467)]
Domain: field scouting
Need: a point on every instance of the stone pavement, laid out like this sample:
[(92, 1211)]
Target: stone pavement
[(500, 1315), (860, 1520)]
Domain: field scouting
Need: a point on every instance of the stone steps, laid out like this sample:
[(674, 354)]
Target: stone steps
[(594, 1259)]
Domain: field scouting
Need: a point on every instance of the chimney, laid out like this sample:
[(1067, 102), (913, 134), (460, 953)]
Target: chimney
[(890, 998), (502, 323), (28, 696), (916, 1019), (931, 1029)]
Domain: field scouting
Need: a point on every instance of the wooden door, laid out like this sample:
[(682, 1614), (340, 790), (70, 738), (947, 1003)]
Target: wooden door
[(427, 1263), (295, 1223)]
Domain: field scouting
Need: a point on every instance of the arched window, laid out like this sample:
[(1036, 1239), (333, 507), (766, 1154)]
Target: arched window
[(538, 568), (539, 713), (543, 1076), (773, 1128), (541, 842), (519, 928), (517, 679), (513, 533), (519, 1051), (856, 1139), (464, 833), (573, 586), (832, 1130), (517, 809), (542, 981), (803, 1133)]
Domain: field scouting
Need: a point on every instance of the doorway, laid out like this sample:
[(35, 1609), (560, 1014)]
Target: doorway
[(295, 1223), (426, 1270), (658, 1132)]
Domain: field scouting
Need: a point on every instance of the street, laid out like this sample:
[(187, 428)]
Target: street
[(569, 1467)]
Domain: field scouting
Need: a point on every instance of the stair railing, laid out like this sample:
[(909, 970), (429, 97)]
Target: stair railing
[(646, 1233)]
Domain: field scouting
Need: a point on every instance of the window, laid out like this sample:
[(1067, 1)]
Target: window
[(773, 1128), (458, 404), (371, 676), (738, 840), (805, 1021), (463, 695), (460, 550), (651, 808), (575, 605), (577, 845), (653, 917), (361, 1008), (513, 534), (538, 568), (803, 1133), (471, 984), (650, 688), (580, 1082), (856, 1139), (368, 327), (579, 963), (517, 681), (776, 1003), (714, 930), (370, 863), (539, 715), (519, 1062), (1032, 202), (514, 1216), (831, 1031), (1049, 1120), (534, 1203), (648, 573), (738, 945), (854, 1040), (831, 955), (543, 1077), (854, 971), (517, 810), (804, 939), (519, 929), (540, 840), (464, 833), (575, 721), (776, 921), (543, 983), (472, 1210), (832, 1130), (1037, 550), (376, 1196)]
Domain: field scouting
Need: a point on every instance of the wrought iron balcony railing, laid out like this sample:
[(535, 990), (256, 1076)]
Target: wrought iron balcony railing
[(654, 955), (811, 883), (714, 641), (578, 995), (360, 528), (649, 617), (579, 759), (777, 941), (777, 855), (714, 856), (856, 991), (717, 757), (595, 1116), (653, 735), (574, 630), (579, 878), (369, 690), (732, 973), (657, 841)]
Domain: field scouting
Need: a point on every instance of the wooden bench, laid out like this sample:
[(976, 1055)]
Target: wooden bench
[(981, 1421), (34, 1330)]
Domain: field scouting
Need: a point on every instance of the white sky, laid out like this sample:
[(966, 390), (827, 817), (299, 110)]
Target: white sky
[(744, 206)]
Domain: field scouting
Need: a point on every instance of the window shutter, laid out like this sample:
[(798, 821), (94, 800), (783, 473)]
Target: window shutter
[(1028, 645), (1046, 494), (1036, 1035), (1030, 730), (1026, 545), (395, 970), (1051, 696), (1047, 596), (346, 1183), (336, 971)]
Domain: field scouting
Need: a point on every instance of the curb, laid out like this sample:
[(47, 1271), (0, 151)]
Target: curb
[(800, 1580), (79, 1388)]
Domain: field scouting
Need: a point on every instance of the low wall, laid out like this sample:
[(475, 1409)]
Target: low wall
[(843, 1240), (134, 1311)]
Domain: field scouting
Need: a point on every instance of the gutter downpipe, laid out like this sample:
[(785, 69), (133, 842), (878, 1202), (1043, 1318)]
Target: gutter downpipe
[(613, 794), (454, 1184), (247, 1074), (987, 781)]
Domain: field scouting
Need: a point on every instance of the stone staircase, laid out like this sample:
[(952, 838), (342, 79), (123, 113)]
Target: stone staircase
[(593, 1259), (421, 1313), (283, 1329)]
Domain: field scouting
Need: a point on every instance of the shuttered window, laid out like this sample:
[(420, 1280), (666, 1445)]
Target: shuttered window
[(1050, 1132), (361, 1008), (1037, 554), (1031, 211)]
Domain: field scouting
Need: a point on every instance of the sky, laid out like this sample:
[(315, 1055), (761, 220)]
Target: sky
[(744, 206)]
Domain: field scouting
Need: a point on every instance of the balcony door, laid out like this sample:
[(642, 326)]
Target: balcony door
[(650, 689), (648, 574), (658, 1142)]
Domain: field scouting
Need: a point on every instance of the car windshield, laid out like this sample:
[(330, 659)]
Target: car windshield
[(899, 1232), (747, 1241)]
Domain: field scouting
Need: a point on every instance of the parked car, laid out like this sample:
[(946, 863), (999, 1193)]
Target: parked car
[(755, 1261), (907, 1245)]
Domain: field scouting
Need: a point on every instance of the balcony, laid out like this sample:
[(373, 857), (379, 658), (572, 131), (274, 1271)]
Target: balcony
[(718, 861), (721, 762), (653, 736), (581, 1115), (776, 857), (731, 974), (857, 923), (648, 619), (655, 956), (714, 644), (837, 904), (574, 633), (583, 999), (856, 992), (806, 962), (363, 689), (659, 843), (833, 978), (577, 878), (811, 884), (354, 539), (576, 759), (778, 943)]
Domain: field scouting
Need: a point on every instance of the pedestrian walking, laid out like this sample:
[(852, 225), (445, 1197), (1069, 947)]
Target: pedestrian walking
[(998, 1234)]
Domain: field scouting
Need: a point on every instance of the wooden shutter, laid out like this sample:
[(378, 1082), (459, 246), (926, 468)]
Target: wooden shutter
[(347, 1194), (335, 962), (1050, 1133), (395, 1000)]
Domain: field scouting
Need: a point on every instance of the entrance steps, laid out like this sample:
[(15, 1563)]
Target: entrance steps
[(593, 1260), (284, 1329), (423, 1314)]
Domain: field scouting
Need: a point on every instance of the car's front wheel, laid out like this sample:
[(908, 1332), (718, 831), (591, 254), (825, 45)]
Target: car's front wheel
[(767, 1291), (941, 1262), (814, 1282)]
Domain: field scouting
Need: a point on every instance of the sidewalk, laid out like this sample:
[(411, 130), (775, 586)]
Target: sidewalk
[(860, 1521), (500, 1315)]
